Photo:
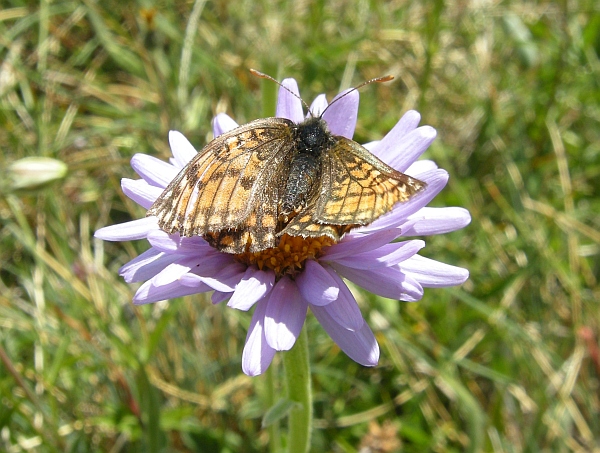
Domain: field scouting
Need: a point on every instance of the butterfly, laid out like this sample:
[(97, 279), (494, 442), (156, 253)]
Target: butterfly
[(271, 177)]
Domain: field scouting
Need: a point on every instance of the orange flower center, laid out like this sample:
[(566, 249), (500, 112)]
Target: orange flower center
[(289, 256)]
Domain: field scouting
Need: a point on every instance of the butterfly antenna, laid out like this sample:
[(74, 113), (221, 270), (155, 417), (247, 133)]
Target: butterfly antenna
[(266, 76), (386, 78)]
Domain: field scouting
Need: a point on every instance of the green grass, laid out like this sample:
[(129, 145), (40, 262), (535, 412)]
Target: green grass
[(506, 363)]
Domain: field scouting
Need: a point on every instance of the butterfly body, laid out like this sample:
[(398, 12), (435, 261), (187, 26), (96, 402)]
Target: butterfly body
[(271, 177), (312, 140)]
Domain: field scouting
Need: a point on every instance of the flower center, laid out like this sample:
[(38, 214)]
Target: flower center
[(289, 256)]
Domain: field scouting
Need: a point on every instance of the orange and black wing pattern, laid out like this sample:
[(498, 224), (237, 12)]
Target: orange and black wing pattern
[(230, 191), (357, 187)]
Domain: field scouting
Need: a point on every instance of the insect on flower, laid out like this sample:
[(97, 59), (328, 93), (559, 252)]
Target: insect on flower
[(290, 187), (272, 177)]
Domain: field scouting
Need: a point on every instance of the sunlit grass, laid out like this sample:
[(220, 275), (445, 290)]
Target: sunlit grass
[(504, 363)]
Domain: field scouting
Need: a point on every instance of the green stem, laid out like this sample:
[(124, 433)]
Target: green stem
[(297, 375), (274, 433)]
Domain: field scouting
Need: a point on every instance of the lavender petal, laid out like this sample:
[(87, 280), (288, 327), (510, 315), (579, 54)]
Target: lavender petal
[(128, 231), (341, 115), (217, 297), (154, 171), (253, 286), (140, 191), (183, 151), (174, 243), (146, 265), (226, 278), (257, 355), (409, 122), (284, 315), (420, 167), (433, 274), (173, 272), (344, 310), (288, 105), (360, 345), (388, 282), (318, 106), (430, 221), (316, 285), (223, 123), (148, 293), (400, 152), (385, 256), (355, 243)]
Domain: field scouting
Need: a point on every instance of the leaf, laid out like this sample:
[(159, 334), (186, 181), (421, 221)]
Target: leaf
[(279, 410)]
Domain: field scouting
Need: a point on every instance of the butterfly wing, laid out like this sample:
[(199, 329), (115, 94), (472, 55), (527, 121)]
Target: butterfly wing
[(258, 231), (357, 187), (304, 225), (224, 185)]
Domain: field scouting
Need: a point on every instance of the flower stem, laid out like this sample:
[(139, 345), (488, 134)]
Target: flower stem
[(297, 374), (274, 433)]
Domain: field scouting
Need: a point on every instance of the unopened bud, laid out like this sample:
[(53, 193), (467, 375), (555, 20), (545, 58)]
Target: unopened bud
[(31, 172)]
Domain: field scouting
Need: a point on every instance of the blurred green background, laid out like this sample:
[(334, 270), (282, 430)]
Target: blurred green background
[(509, 362)]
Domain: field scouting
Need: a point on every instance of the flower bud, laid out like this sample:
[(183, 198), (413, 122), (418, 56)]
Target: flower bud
[(31, 172)]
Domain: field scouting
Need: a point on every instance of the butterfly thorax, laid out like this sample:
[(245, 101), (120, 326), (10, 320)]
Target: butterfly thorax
[(312, 140)]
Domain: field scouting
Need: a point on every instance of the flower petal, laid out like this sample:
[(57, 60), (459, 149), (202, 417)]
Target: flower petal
[(223, 123), (148, 293), (388, 282), (215, 264), (354, 243), (344, 310), (429, 221), (285, 315), (193, 280), (225, 279), (420, 167), (385, 256), (342, 114), (316, 285), (318, 106), (173, 272), (128, 231), (166, 242), (433, 274), (218, 297), (257, 355), (360, 345), (147, 265), (400, 152), (253, 286), (288, 105), (154, 171), (409, 122), (183, 151), (140, 191)]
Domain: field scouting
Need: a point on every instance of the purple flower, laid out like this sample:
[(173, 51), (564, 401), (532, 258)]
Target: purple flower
[(177, 266)]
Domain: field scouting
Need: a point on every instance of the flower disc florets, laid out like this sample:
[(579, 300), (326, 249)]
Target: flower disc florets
[(289, 257)]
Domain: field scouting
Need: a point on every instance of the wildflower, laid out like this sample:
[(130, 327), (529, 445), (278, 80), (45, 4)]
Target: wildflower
[(281, 283)]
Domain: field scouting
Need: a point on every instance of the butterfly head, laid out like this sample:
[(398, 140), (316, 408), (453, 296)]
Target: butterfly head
[(312, 134)]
